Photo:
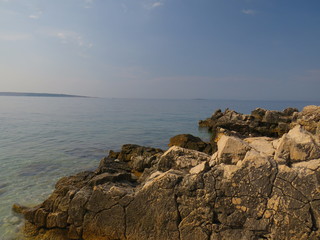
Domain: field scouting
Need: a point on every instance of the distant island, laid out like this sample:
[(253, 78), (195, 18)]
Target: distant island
[(25, 94)]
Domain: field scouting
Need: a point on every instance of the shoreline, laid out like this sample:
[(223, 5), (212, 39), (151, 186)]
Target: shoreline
[(243, 165)]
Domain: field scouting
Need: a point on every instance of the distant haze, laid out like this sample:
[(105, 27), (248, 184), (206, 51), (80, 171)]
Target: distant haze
[(234, 49)]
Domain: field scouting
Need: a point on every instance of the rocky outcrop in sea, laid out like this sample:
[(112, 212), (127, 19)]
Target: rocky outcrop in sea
[(260, 122), (257, 179)]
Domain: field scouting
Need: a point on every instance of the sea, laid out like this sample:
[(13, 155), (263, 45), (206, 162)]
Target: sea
[(45, 138)]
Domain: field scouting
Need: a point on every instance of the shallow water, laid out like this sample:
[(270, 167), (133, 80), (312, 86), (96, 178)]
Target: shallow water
[(43, 139)]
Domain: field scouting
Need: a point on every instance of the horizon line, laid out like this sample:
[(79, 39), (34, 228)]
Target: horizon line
[(46, 94)]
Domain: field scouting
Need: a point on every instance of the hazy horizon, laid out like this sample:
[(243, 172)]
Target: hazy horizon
[(162, 49), (309, 102)]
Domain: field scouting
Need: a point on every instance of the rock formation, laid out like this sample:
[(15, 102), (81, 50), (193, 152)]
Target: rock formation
[(260, 122), (250, 188)]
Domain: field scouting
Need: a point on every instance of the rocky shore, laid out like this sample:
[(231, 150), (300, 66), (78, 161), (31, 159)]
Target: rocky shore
[(258, 178)]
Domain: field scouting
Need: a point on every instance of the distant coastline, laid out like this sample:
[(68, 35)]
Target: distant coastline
[(27, 94)]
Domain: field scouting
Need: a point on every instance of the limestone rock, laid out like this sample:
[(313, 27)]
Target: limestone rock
[(153, 213), (191, 142), (297, 145), (309, 118), (263, 145), (231, 150), (139, 157), (181, 159), (260, 122)]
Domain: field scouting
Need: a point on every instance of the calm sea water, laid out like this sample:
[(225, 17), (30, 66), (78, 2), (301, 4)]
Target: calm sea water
[(43, 139)]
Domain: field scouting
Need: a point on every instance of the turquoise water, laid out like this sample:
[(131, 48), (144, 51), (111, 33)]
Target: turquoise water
[(43, 139)]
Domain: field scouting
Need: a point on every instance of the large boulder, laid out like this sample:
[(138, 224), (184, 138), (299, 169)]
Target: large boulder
[(264, 145), (191, 142), (230, 150), (296, 146), (309, 118)]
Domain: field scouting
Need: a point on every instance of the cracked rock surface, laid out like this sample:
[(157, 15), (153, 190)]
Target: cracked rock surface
[(250, 188)]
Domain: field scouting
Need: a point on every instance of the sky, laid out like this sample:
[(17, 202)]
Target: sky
[(216, 49)]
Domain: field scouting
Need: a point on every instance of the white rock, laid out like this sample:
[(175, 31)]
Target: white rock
[(231, 149), (296, 146), (256, 159), (262, 144), (199, 168)]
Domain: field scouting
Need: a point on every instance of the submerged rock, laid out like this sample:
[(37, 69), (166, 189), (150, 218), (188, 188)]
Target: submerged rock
[(250, 188)]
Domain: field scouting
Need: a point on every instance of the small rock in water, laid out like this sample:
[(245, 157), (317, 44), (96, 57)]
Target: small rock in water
[(19, 208)]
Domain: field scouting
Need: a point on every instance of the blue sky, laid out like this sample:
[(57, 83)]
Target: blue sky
[(220, 49)]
